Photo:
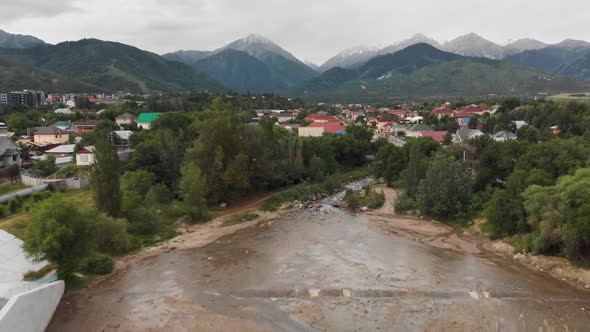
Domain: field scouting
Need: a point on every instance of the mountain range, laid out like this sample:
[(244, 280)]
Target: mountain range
[(416, 67), (422, 70), (95, 65), (253, 64), (468, 45), (8, 40)]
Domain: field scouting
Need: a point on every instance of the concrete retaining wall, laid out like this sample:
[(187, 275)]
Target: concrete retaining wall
[(31, 311), (67, 184)]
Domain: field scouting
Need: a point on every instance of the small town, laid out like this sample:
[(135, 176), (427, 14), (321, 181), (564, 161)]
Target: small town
[(294, 166)]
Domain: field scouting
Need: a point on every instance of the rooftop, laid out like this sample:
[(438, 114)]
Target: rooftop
[(148, 117)]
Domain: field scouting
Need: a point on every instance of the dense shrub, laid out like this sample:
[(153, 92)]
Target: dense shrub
[(404, 203), (144, 221), (97, 264), (351, 200), (111, 235), (15, 203), (40, 196)]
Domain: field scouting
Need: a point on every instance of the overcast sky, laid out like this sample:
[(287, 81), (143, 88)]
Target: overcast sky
[(310, 29)]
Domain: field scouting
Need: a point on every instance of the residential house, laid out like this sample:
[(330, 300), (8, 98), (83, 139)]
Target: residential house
[(415, 130), (438, 136), (51, 135), (318, 129), (463, 118), (87, 126), (321, 118), (121, 138), (382, 122), (9, 152), (63, 150), (396, 129), (443, 111), (144, 121), (284, 117), (463, 134), (125, 119), (65, 125), (85, 156), (503, 136)]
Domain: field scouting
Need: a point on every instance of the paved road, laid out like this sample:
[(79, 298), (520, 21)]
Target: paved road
[(325, 270)]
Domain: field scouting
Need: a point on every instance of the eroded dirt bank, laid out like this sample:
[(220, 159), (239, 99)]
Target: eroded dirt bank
[(470, 240), (325, 269)]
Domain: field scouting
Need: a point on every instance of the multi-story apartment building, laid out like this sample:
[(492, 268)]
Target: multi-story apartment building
[(26, 97)]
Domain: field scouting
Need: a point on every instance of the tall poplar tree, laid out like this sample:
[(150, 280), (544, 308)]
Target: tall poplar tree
[(106, 176)]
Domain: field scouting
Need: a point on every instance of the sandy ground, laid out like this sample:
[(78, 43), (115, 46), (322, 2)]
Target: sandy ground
[(196, 236), (471, 240)]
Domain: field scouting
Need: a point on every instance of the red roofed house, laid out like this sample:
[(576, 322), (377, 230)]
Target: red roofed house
[(438, 136), (87, 126), (318, 129), (382, 121), (442, 111)]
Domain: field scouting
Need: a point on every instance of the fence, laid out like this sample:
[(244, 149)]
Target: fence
[(68, 183)]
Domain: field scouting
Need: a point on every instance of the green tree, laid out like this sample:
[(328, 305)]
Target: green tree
[(139, 181), (111, 236), (415, 170), (193, 188), (390, 161), (44, 168), (529, 134), (106, 177), (445, 191), (505, 212), (13, 172), (558, 216), (60, 233)]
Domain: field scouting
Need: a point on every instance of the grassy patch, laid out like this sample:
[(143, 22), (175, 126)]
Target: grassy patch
[(583, 97), (368, 198), (239, 218), (34, 275), (9, 188), (16, 223)]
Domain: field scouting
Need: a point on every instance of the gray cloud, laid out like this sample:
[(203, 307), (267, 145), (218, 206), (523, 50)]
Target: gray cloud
[(310, 29), (19, 9)]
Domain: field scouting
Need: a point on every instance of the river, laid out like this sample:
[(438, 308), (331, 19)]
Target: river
[(323, 268)]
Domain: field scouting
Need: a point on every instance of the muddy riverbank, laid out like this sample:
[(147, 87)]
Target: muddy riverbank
[(323, 268)]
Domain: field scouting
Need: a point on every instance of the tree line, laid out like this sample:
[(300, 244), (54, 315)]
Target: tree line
[(530, 189)]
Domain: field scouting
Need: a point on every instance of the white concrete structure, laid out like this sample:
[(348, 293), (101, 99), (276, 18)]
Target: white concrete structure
[(14, 263), (32, 310)]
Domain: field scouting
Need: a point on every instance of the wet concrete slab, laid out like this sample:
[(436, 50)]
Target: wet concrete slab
[(328, 270)]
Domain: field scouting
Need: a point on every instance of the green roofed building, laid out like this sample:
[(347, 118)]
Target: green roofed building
[(145, 120)]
